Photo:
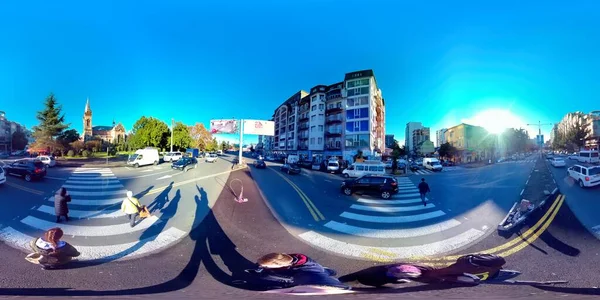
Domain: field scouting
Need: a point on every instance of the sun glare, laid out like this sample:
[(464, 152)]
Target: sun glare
[(496, 120)]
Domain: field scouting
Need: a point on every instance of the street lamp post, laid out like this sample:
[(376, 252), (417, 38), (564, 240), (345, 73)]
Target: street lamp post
[(172, 122)]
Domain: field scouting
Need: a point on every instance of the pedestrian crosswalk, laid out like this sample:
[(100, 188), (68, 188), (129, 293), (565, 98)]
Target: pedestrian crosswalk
[(524, 161), (96, 226), (397, 228), (429, 172)]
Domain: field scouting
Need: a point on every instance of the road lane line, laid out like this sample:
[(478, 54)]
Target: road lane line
[(92, 182), (78, 230), (92, 187), (521, 194), (310, 208), (94, 176), (92, 179), (391, 209), (55, 178), (394, 219), (396, 196), (86, 214), (89, 202), (540, 222), (403, 201), (530, 240), (391, 253), (392, 233), (151, 244), (102, 193), (26, 189)]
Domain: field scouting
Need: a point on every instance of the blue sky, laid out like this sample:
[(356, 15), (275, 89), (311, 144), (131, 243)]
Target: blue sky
[(439, 62)]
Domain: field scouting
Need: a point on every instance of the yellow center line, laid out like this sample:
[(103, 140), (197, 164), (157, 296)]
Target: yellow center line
[(542, 223), (30, 190), (311, 208)]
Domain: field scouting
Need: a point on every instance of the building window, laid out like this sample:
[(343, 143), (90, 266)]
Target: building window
[(313, 108), (320, 141), (363, 100), (320, 128), (321, 97), (312, 141), (321, 106), (321, 117), (357, 140), (358, 91), (357, 113), (312, 128), (313, 98), (357, 126), (359, 82), (312, 118)]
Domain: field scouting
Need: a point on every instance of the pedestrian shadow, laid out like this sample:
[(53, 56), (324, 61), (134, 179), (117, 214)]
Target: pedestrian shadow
[(161, 200), (144, 192)]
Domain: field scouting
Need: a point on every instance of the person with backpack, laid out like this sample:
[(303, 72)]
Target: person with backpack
[(423, 190), (131, 207), (50, 251)]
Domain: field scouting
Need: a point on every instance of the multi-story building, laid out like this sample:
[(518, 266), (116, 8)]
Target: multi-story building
[(389, 140), (415, 134), (591, 121), (285, 117), (5, 133), (467, 139), (420, 136), (440, 136), (333, 121)]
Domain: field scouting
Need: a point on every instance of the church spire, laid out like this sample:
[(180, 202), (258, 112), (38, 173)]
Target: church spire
[(87, 105)]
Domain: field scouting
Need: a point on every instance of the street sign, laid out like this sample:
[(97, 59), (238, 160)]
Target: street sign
[(259, 127)]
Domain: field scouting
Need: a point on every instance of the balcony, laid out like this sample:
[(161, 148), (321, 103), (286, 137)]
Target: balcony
[(333, 120), (303, 127), (333, 132), (303, 137), (333, 146), (304, 119), (302, 147), (333, 109)]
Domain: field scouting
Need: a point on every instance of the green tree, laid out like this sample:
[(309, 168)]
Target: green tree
[(181, 137), (575, 136), (223, 146), (447, 150), (51, 124), (67, 137), (19, 140), (149, 132), (201, 137), (213, 145), (397, 152)]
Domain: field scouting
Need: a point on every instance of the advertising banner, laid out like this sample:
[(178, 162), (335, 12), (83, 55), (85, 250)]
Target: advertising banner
[(259, 127), (223, 126)]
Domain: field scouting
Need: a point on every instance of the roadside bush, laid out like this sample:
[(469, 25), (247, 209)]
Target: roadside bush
[(71, 153), (86, 153)]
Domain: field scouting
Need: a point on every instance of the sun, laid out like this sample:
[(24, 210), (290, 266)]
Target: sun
[(496, 120)]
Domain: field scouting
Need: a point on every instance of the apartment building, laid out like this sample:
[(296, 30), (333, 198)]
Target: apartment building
[(467, 139), (440, 137), (415, 135), (333, 121), (590, 120), (389, 140)]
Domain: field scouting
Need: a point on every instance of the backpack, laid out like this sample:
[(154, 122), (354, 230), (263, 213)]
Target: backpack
[(485, 266)]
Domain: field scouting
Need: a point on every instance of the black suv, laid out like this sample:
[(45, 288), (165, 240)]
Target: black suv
[(185, 163), (26, 168), (382, 185)]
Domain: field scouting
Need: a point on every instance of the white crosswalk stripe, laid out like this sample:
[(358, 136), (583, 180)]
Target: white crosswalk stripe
[(381, 229), (95, 214)]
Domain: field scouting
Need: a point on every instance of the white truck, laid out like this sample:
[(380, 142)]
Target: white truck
[(432, 164), (292, 159), (142, 157)]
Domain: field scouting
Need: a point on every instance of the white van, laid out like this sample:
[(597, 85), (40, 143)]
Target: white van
[(588, 156), (433, 164), (292, 159), (358, 169), (333, 166), (142, 157)]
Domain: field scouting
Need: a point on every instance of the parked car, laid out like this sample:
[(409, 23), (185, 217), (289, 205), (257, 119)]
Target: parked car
[(2, 176), (142, 157), (558, 162), (333, 166), (211, 158), (305, 164), (585, 176), (574, 157), (49, 161), (185, 164), (29, 169), (260, 164), (316, 166), (291, 168), (172, 156), (382, 185), (414, 166), (3, 155)]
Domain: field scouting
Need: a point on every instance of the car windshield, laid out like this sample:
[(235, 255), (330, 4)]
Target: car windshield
[(332, 164), (594, 171), (133, 157)]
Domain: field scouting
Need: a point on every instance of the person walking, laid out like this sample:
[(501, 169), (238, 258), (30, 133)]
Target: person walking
[(131, 206), (423, 190), (61, 209)]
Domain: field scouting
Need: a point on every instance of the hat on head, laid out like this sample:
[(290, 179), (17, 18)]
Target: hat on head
[(129, 194)]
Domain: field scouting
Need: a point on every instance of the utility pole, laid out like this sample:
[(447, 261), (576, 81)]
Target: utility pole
[(539, 125), (172, 126)]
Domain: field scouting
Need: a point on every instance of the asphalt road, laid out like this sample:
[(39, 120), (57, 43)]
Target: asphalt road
[(229, 236)]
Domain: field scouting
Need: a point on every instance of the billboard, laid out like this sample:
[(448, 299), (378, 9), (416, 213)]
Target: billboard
[(223, 126), (540, 139), (259, 127)]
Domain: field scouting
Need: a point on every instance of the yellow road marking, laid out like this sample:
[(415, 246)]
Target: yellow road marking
[(555, 206), (312, 208), (382, 252), (534, 237), (18, 186)]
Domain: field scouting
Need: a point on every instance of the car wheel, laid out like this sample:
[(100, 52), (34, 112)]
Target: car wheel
[(185, 169), (27, 177), (136, 166), (386, 195), (195, 166), (581, 183), (288, 171), (346, 175), (156, 162), (347, 191)]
